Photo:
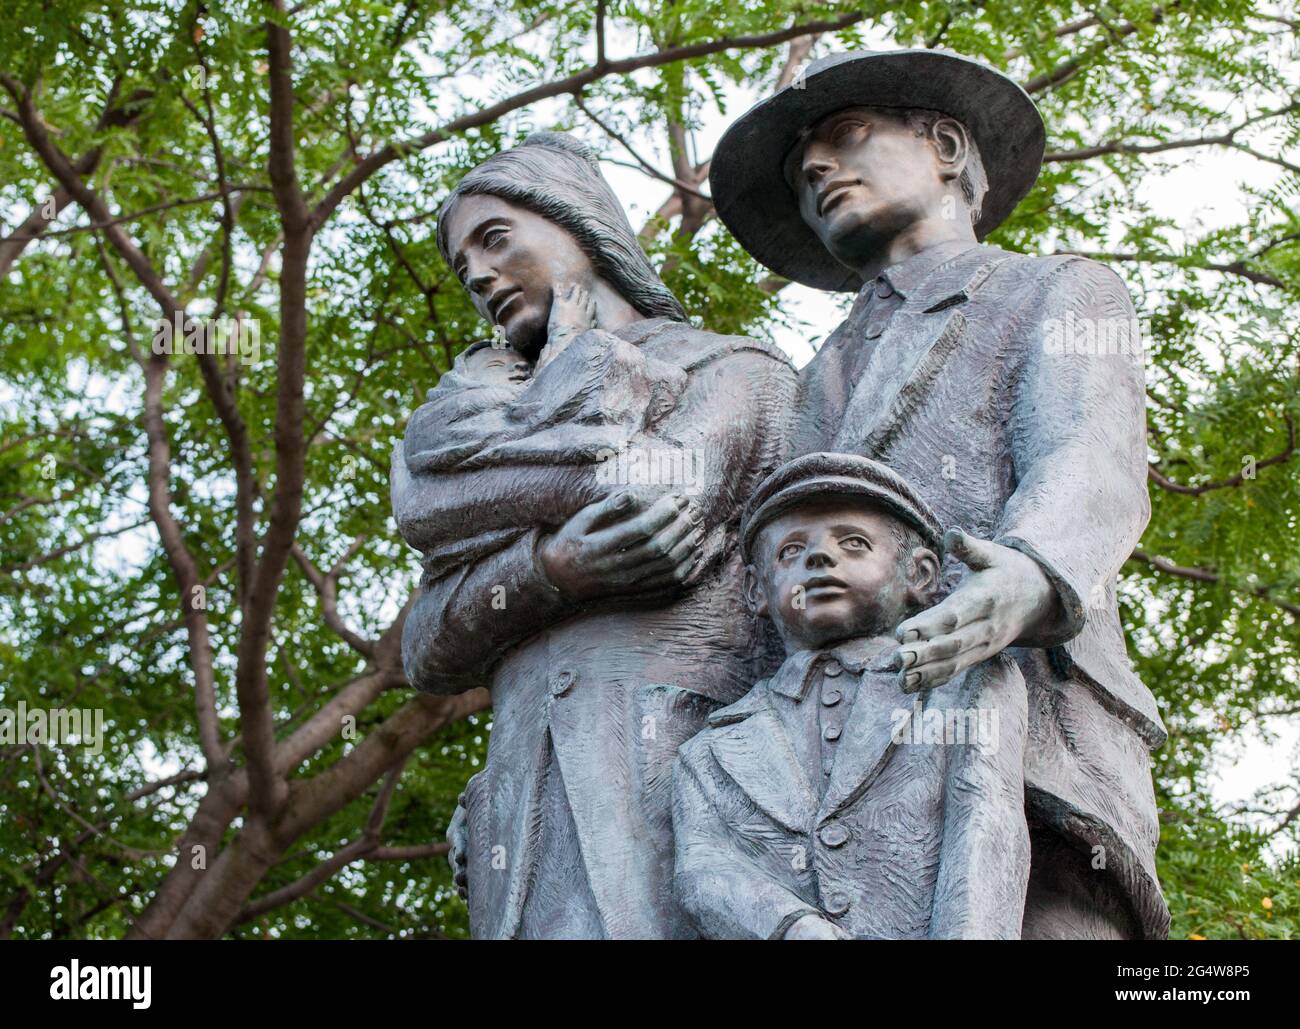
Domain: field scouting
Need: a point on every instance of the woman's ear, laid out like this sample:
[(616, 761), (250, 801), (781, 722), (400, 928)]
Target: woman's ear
[(755, 595), (948, 137), (923, 581)]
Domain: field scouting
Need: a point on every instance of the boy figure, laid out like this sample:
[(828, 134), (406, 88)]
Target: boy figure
[(813, 808)]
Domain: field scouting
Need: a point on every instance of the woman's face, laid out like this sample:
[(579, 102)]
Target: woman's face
[(511, 260)]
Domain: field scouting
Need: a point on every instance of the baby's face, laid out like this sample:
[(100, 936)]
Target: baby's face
[(498, 366), (831, 572)]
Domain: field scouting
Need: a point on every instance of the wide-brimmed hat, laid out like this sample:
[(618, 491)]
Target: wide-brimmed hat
[(747, 179), (833, 476)]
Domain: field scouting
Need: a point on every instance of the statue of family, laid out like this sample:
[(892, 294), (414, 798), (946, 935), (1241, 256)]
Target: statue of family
[(833, 654)]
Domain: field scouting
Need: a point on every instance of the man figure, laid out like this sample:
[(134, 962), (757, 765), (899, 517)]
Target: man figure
[(826, 804), (975, 374)]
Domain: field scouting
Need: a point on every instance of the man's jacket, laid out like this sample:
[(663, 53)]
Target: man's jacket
[(1009, 391)]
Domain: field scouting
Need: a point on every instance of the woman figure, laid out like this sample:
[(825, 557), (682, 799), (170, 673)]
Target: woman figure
[(578, 522)]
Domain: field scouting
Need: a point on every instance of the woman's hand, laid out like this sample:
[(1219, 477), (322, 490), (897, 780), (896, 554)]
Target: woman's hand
[(573, 312), (624, 544)]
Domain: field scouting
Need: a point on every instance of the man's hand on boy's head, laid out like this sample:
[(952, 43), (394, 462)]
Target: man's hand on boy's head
[(1005, 598)]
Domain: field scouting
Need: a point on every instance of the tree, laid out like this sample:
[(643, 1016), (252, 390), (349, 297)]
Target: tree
[(200, 546)]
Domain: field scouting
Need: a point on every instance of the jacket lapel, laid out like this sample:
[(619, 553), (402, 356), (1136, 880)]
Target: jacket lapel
[(911, 352), (766, 753)]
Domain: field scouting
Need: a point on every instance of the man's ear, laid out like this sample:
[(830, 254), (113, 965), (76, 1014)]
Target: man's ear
[(948, 137), (923, 579), (755, 595)]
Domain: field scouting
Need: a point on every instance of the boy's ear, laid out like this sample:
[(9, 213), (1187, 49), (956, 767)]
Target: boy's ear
[(755, 595), (924, 569)]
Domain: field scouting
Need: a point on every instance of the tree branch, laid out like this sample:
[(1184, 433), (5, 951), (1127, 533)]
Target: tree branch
[(1163, 564), (393, 151), (363, 846), (646, 166), (1068, 69), (1229, 268), (1232, 481), (1226, 139), (326, 585), (267, 790)]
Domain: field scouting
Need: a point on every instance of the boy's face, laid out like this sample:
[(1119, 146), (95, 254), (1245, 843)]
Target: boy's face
[(832, 571), (498, 366)]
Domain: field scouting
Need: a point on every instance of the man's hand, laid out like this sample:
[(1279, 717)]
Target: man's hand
[(814, 927), (621, 545), (573, 312), (1005, 598)]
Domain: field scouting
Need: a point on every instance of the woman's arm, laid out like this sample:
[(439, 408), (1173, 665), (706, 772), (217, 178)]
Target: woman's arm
[(464, 621), (649, 538)]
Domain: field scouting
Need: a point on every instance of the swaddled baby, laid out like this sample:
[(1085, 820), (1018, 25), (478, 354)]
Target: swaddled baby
[(496, 363), (496, 451)]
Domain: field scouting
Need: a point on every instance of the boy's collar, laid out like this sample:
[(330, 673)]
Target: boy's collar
[(864, 654)]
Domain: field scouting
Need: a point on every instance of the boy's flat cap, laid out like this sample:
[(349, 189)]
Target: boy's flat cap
[(829, 476)]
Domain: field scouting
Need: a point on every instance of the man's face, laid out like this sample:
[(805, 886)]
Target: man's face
[(828, 573), (863, 177), (510, 260)]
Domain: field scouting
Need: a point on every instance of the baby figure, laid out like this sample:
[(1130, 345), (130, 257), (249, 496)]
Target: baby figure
[(496, 363), (828, 803)]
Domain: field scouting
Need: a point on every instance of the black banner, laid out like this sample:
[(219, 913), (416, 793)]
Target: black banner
[(336, 979)]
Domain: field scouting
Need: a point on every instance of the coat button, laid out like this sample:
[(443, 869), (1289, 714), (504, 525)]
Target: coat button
[(832, 669), (883, 289), (831, 733), (832, 697), (833, 835), (837, 904), (561, 682)]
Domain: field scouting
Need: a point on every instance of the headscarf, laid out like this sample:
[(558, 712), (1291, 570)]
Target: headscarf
[(558, 177)]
